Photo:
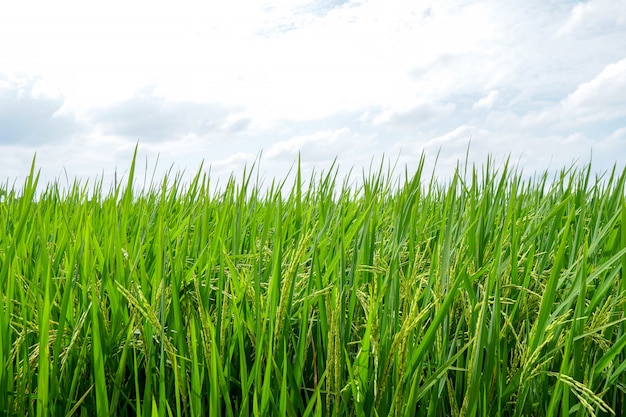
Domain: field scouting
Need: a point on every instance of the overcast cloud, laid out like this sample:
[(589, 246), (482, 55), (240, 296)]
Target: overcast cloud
[(349, 80)]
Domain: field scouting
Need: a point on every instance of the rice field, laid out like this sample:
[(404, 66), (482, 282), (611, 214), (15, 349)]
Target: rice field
[(487, 294)]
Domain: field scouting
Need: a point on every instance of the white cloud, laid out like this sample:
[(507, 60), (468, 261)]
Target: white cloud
[(152, 118), (595, 16), (618, 135), (233, 165), (414, 116), (347, 78), (601, 99), (319, 146), (28, 116), (607, 148), (356, 55), (488, 101)]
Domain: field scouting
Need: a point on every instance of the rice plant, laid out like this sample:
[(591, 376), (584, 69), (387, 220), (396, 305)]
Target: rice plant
[(489, 294)]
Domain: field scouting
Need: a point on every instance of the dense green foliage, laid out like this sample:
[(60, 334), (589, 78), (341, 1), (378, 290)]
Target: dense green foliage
[(488, 294)]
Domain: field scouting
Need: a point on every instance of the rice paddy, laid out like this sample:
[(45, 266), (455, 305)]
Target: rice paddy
[(487, 294)]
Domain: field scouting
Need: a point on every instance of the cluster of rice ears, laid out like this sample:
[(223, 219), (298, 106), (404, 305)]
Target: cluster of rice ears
[(486, 295)]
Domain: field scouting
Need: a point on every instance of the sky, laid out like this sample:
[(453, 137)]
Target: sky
[(228, 84)]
